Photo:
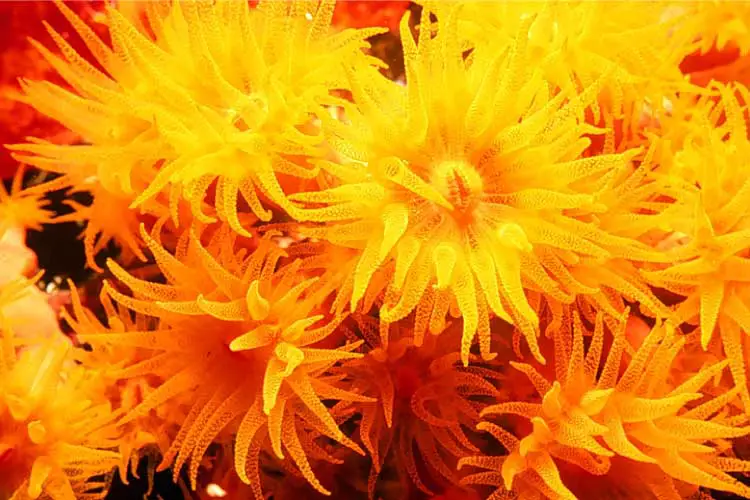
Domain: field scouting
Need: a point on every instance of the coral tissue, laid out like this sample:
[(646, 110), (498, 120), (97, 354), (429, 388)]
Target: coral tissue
[(512, 261)]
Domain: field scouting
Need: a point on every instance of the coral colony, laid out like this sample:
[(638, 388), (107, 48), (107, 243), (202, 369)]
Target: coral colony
[(519, 267)]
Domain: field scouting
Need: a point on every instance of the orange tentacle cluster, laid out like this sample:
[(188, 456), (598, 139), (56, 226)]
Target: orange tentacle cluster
[(518, 272)]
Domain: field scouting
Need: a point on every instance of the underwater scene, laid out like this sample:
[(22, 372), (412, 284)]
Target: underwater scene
[(376, 250)]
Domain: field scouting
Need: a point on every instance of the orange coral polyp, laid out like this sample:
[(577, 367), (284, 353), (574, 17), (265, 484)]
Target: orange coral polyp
[(425, 403), (340, 266), (594, 411), (259, 373)]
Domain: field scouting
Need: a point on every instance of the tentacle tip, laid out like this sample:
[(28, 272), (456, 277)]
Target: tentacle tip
[(538, 357), (267, 215), (489, 356), (91, 264)]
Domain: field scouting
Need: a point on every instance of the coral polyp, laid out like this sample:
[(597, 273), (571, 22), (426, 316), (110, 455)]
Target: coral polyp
[(57, 434), (183, 110), (265, 371), (491, 250), (475, 196)]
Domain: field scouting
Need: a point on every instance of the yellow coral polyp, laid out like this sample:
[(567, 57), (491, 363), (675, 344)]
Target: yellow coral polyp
[(479, 191), (636, 52), (718, 24), (56, 432), (711, 146), (190, 111)]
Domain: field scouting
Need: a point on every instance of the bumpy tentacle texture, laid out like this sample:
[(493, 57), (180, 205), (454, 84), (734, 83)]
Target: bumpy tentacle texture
[(474, 195), (594, 412), (240, 336), (712, 269), (179, 106), (639, 204), (543, 168), (57, 437)]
